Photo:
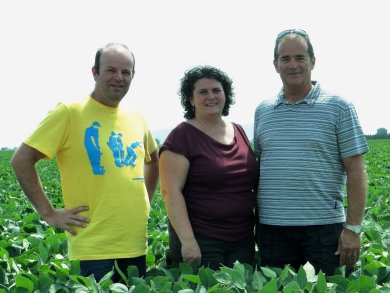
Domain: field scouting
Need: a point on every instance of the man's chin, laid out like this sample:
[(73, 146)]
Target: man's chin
[(294, 82), (116, 96)]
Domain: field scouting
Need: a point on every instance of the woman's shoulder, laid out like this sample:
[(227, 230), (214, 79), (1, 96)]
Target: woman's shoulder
[(182, 127)]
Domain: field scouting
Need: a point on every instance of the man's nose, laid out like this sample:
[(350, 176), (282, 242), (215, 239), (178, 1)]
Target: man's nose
[(118, 75), (293, 64)]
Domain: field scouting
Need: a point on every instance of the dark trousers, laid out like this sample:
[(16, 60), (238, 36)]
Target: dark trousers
[(215, 253), (296, 245), (99, 268)]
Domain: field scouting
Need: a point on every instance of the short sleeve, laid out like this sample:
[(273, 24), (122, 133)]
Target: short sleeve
[(51, 133), (178, 141), (351, 138)]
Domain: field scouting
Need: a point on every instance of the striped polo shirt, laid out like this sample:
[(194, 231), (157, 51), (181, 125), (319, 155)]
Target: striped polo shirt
[(301, 147)]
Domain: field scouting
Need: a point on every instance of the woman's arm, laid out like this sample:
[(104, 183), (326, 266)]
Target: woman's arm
[(173, 174)]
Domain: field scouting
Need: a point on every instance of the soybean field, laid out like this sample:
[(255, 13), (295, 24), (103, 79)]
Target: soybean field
[(33, 255)]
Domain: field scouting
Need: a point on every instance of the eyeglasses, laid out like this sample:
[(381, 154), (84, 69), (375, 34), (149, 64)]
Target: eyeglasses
[(292, 31)]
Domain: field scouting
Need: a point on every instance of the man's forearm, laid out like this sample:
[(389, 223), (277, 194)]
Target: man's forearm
[(151, 174), (31, 185), (356, 191)]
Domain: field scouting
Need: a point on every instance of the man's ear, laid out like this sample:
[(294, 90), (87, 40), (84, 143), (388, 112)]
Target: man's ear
[(276, 66), (94, 73), (313, 62)]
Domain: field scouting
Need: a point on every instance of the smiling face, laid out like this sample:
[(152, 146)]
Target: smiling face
[(114, 77), (208, 98), (294, 64)]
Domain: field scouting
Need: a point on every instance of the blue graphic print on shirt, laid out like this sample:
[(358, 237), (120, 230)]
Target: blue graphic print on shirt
[(115, 143), (91, 143)]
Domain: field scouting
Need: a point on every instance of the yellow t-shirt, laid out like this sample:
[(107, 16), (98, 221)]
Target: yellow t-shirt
[(100, 153)]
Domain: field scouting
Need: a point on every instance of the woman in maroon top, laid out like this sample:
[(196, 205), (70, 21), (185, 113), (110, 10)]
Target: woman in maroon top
[(208, 176)]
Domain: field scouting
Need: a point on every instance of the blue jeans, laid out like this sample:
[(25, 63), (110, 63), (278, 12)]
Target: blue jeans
[(100, 267)]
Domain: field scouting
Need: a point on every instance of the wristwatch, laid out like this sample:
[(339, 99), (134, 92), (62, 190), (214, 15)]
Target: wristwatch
[(357, 229)]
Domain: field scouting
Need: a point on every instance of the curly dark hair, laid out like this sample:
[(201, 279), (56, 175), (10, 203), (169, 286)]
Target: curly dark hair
[(187, 86)]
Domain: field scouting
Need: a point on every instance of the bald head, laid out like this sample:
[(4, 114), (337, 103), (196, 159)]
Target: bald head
[(118, 47)]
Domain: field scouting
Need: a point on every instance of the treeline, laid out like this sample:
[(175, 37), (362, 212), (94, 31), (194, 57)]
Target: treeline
[(375, 136), (381, 133)]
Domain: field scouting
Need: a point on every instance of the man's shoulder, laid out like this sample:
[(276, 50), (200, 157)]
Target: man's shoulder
[(73, 104), (332, 98), (267, 103)]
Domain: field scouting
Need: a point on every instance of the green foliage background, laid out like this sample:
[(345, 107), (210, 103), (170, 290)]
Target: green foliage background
[(33, 255)]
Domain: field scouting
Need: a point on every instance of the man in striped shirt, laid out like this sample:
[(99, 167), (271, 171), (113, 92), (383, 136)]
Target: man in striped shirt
[(310, 145)]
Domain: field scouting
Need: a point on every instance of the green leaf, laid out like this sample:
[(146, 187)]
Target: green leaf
[(141, 288), (353, 286), (4, 244), (340, 281), (292, 287), (118, 287), (58, 288), (132, 272), (43, 253), (23, 282), (236, 276), (384, 274), (107, 278), (192, 278), (137, 281), (161, 284), (270, 287), (240, 268), (366, 283), (150, 260), (186, 268), (44, 283), (301, 278), (268, 272), (74, 267), (223, 278), (223, 290), (177, 286), (124, 278), (257, 282), (286, 276), (61, 274), (371, 268), (340, 271), (238, 281), (321, 283), (206, 276), (168, 274)]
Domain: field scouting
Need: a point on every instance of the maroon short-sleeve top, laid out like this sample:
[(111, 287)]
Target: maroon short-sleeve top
[(221, 184)]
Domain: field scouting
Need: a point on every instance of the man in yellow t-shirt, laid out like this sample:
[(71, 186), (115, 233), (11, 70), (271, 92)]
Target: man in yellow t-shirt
[(108, 162)]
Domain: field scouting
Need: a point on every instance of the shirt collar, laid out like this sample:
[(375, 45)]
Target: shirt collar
[(309, 99)]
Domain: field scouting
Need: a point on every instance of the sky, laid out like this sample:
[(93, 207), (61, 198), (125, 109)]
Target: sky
[(48, 47)]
